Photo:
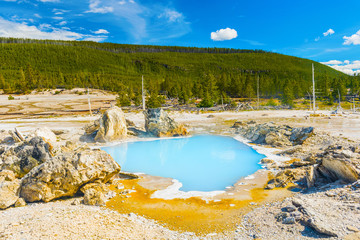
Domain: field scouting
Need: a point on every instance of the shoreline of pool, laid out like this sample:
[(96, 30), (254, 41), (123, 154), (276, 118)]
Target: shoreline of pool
[(173, 191)]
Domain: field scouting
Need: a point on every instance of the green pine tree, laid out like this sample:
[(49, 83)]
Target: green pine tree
[(288, 96), (123, 99)]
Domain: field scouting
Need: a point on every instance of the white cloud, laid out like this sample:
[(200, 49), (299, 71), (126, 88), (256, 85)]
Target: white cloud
[(224, 34), (171, 15), (44, 31), (16, 18), (20, 30), (49, 0), (151, 21), (333, 62), (122, 2), (57, 11), (347, 67), (328, 32), (96, 8), (101, 31), (44, 26), (58, 18), (317, 39), (62, 23), (37, 0), (37, 15), (353, 39)]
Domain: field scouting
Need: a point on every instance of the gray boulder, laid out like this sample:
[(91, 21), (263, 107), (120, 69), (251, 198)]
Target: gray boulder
[(299, 135), (159, 124), (64, 174), (25, 156), (339, 162), (271, 134), (92, 128), (277, 139), (342, 168)]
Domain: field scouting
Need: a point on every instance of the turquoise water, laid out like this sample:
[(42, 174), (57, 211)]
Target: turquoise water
[(200, 163)]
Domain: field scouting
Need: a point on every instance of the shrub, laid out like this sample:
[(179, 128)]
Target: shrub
[(11, 97), (206, 102), (155, 101), (123, 100), (271, 103)]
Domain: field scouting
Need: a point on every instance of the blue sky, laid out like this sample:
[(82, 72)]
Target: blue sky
[(324, 31)]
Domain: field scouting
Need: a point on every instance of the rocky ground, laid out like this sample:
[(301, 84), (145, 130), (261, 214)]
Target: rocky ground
[(329, 212), (62, 220), (43, 165), (327, 168)]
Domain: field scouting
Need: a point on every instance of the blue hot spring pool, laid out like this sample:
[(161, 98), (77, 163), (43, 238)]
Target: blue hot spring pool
[(200, 163)]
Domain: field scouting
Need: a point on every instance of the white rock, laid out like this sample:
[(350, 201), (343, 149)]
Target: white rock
[(9, 189), (46, 133), (112, 126)]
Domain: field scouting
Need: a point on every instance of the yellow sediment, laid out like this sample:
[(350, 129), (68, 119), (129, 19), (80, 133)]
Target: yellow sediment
[(291, 161), (192, 214)]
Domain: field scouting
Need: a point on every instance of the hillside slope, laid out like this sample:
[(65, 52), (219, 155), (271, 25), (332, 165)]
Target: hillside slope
[(176, 71)]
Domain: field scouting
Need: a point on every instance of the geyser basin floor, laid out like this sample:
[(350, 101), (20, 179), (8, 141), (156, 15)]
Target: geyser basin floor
[(200, 163), (220, 215)]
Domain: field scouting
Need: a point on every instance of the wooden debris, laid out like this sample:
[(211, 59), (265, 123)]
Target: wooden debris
[(14, 136), (244, 106), (18, 133)]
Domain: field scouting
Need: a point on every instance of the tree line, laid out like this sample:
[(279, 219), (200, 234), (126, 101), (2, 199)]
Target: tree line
[(184, 75)]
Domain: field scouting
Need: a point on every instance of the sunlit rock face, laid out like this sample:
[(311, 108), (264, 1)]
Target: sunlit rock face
[(110, 127), (9, 189), (64, 174)]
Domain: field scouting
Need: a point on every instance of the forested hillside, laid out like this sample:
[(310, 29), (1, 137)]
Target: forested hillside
[(177, 72)]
